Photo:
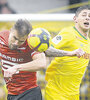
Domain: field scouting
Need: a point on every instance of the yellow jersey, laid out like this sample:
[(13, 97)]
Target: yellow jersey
[(64, 74)]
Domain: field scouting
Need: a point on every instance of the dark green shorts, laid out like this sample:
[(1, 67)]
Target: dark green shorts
[(32, 94)]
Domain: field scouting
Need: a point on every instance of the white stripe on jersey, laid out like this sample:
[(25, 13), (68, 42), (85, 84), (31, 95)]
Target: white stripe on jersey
[(4, 69), (33, 53), (2, 42), (7, 64)]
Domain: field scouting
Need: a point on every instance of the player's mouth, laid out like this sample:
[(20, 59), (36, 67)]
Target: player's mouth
[(86, 24)]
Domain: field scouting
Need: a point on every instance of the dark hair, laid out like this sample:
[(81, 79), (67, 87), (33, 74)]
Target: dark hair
[(23, 27), (82, 8)]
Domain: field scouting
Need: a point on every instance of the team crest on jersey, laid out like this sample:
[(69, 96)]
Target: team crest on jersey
[(57, 39)]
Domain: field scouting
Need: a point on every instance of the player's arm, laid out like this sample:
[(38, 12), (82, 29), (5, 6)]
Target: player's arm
[(53, 52), (38, 63)]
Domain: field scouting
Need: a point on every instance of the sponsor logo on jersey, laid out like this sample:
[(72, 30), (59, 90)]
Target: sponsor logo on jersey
[(57, 39), (11, 58)]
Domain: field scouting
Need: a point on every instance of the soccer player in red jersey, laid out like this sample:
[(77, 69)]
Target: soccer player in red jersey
[(14, 50)]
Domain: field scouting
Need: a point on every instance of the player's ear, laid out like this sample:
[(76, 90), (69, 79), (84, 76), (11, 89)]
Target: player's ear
[(75, 19)]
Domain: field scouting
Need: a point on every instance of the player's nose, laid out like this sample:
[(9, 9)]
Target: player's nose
[(16, 42)]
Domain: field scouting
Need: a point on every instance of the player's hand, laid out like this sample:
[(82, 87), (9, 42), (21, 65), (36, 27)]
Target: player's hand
[(10, 71), (78, 52)]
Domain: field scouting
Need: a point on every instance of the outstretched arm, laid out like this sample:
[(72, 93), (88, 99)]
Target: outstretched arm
[(52, 52)]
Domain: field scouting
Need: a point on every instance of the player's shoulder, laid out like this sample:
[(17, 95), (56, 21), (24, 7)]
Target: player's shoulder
[(68, 30), (4, 33), (4, 37)]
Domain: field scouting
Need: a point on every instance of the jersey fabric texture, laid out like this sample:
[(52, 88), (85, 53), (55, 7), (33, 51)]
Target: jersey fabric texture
[(64, 74), (23, 80)]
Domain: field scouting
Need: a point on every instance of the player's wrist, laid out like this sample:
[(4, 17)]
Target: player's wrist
[(70, 53)]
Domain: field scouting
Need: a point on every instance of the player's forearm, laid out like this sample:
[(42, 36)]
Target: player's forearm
[(34, 65), (52, 52)]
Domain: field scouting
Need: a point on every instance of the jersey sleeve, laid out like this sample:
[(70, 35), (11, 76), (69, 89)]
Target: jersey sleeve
[(62, 40), (34, 53), (2, 40)]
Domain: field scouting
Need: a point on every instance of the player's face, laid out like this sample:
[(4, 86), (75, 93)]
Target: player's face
[(83, 20), (15, 40)]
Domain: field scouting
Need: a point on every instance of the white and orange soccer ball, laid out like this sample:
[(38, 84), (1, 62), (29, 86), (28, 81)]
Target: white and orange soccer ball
[(39, 39)]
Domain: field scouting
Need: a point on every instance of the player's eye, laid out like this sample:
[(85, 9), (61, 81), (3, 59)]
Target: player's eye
[(21, 41), (18, 40), (83, 15), (15, 38)]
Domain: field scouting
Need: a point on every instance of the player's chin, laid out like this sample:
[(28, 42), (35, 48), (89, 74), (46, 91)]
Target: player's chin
[(86, 27)]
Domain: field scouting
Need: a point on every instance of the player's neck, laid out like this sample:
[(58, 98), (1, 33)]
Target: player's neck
[(82, 31)]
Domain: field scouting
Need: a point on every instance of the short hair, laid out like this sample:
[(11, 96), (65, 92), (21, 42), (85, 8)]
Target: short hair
[(23, 27), (82, 8)]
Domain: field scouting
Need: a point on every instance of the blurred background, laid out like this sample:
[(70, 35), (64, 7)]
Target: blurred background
[(40, 6), (44, 7)]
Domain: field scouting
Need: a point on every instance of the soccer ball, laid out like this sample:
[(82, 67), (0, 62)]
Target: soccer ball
[(39, 39)]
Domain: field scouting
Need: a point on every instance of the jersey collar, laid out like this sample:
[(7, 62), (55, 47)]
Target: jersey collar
[(80, 33)]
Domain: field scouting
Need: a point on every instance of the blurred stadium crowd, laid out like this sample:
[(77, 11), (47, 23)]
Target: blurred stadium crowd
[(38, 6), (53, 28), (5, 8)]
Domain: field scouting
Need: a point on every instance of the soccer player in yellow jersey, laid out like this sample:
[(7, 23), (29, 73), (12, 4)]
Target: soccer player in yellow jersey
[(64, 74)]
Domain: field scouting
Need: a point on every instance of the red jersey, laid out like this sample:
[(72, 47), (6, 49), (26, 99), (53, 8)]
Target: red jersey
[(23, 80)]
